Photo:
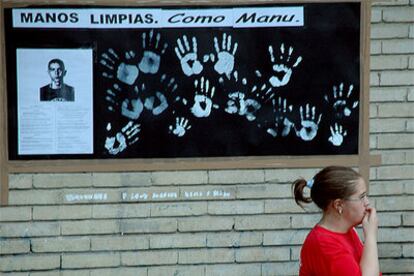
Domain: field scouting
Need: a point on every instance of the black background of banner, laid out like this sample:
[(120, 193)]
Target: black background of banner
[(328, 43)]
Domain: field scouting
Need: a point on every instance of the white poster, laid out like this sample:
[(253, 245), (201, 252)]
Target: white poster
[(55, 101)]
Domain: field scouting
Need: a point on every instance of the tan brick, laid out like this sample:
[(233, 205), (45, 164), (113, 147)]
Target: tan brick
[(288, 175), (373, 142), (176, 270), (29, 262), (373, 110), (389, 219), (411, 35), (177, 241), (281, 206), (280, 268), (114, 243), (284, 237), (396, 172), (396, 141), (34, 229), (234, 239), (90, 227), (411, 62), (178, 209), (391, 157), (204, 256), (401, 14), (180, 178), (15, 274), (15, 213), (150, 194), (407, 251), (77, 272), (260, 222), (135, 179), (135, 210), (409, 188), (153, 225), (379, 31), (60, 180), (157, 257), (61, 244), (374, 78), (233, 269), (121, 271), (263, 254), (20, 181), (235, 207), (34, 197), (410, 125), (295, 252), (305, 220), (397, 266), (389, 250), (391, 235), (389, 78), (388, 94), (398, 46), (61, 212), (263, 191), (205, 223), (387, 125), (408, 219), (390, 3), (14, 246), (48, 273), (90, 260), (207, 192), (235, 176)]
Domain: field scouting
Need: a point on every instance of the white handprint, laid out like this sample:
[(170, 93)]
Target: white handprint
[(188, 58), (127, 136), (225, 55), (132, 108), (341, 103), (181, 126), (169, 86), (151, 59), (337, 135), (283, 66), (126, 73), (202, 100), (238, 103), (112, 96), (282, 121), (309, 123)]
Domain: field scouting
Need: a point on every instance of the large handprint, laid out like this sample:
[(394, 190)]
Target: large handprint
[(126, 73), (151, 59), (225, 55), (181, 126), (203, 98), (242, 103), (188, 57), (132, 108), (340, 102), (309, 123), (168, 87), (122, 139), (337, 135), (283, 124), (282, 67)]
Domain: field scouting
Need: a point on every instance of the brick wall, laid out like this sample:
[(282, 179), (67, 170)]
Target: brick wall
[(235, 222)]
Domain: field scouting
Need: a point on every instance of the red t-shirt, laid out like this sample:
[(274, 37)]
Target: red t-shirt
[(326, 253)]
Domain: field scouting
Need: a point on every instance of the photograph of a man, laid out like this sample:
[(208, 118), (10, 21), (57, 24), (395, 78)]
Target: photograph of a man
[(57, 90)]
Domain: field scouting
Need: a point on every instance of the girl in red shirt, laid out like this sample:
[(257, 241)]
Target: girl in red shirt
[(333, 247)]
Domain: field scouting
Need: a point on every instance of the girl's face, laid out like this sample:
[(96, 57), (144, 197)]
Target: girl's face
[(356, 205)]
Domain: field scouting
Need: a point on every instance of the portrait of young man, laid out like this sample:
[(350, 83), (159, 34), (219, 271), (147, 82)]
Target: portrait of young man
[(57, 89)]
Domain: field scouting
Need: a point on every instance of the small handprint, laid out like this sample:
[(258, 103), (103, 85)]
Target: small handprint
[(132, 108), (283, 67), (282, 124), (225, 55), (112, 97), (169, 86), (243, 104), (337, 135), (203, 98), (126, 73), (181, 126), (188, 58), (127, 136), (309, 123), (340, 102), (151, 59)]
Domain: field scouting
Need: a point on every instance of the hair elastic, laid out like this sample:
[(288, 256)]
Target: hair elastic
[(309, 183)]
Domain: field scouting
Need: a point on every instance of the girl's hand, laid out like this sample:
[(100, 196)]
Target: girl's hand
[(370, 223)]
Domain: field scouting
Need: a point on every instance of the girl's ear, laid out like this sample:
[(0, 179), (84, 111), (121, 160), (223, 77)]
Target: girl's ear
[(338, 205)]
